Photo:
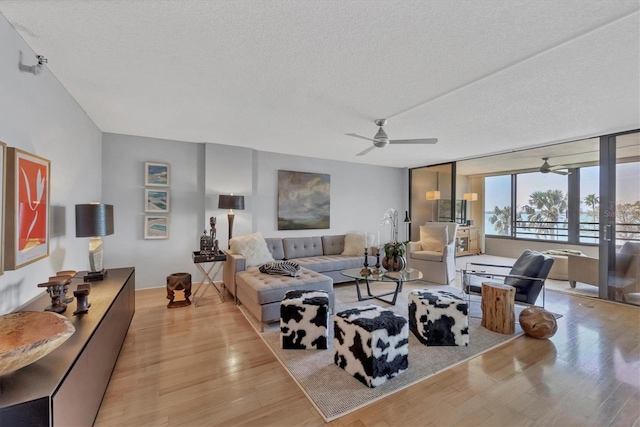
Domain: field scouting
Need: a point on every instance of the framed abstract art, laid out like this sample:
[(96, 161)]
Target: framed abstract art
[(303, 200), (156, 227), (27, 208), (157, 174)]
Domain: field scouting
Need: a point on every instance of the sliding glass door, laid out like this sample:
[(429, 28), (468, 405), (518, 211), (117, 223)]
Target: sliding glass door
[(619, 218)]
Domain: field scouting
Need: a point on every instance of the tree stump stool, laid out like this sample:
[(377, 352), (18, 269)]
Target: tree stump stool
[(498, 312), (178, 282)]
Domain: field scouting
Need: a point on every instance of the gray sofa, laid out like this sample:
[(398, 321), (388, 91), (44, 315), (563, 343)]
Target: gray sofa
[(319, 258)]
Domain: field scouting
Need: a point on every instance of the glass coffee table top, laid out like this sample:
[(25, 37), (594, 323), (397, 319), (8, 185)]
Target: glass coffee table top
[(406, 275), (397, 277)]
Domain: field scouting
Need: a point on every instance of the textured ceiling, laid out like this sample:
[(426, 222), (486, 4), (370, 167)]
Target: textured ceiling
[(295, 76)]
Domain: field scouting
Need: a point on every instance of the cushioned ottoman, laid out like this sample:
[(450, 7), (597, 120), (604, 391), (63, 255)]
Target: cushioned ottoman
[(371, 343), (438, 318), (261, 294), (304, 320)]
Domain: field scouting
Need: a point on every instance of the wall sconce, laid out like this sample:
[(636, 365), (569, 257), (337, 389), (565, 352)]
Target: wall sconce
[(94, 220), (432, 196), (230, 202)]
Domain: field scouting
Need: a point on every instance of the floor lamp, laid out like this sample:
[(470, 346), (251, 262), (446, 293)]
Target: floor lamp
[(433, 196), (468, 197), (230, 202)]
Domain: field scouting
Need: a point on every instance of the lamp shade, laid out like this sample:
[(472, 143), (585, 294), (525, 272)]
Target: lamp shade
[(471, 197), (230, 202), (432, 195), (94, 219)]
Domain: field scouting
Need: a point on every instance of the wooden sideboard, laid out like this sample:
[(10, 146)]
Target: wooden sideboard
[(467, 241), (66, 387)]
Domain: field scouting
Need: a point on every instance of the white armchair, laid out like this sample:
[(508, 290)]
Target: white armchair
[(434, 254)]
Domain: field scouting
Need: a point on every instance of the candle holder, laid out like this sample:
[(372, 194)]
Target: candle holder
[(366, 271), (377, 271)]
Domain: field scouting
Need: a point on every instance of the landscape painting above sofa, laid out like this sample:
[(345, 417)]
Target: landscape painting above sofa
[(303, 200)]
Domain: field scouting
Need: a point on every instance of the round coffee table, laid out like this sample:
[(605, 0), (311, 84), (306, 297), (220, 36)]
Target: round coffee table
[(397, 277)]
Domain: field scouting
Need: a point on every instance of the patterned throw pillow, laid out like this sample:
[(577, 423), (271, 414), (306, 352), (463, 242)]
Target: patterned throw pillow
[(285, 268)]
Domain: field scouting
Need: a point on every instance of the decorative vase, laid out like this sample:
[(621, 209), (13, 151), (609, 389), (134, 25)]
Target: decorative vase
[(395, 263)]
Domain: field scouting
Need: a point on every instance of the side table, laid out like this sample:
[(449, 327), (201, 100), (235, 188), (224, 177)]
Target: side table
[(208, 274)]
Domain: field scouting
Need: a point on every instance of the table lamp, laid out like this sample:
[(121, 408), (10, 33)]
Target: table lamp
[(94, 220), (230, 202)]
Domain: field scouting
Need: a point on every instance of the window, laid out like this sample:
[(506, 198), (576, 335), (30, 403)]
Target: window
[(497, 202), (589, 204), (541, 201)]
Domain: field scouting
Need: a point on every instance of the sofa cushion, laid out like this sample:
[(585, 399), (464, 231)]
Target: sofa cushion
[(433, 238), (355, 243), (333, 245), (427, 255), (253, 247), (328, 263), (299, 247), (274, 244)]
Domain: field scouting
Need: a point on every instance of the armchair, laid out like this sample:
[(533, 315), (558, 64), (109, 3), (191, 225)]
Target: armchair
[(434, 254), (527, 275)]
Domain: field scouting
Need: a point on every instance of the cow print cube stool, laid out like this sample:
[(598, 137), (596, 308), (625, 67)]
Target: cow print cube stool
[(371, 343), (304, 320), (438, 318)]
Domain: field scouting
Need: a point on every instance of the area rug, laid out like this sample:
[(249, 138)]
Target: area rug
[(336, 393)]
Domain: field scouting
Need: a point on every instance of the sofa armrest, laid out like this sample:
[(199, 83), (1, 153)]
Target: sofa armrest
[(582, 269), (234, 264)]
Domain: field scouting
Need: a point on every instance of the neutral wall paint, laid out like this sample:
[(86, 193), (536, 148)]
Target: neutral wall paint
[(360, 195), (38, 115), (123, 158)]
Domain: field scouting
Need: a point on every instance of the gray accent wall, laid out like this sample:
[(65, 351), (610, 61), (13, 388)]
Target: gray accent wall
[(39, 116), (200, 172)]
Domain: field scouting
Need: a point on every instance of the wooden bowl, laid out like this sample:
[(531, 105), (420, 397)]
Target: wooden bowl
[(26, 336)]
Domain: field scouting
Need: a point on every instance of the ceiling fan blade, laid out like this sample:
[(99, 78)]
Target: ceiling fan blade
[(560, 172), (355, 135), (363, 152), (414, 141)]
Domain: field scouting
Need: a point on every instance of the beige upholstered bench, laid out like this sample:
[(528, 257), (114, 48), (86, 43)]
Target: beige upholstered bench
[(560, 268), (262, 293)]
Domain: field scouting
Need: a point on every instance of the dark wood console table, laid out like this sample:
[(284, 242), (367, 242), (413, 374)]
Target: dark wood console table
[(66, 387)]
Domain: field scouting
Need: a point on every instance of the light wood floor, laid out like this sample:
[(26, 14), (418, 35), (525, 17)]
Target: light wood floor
[(207, 366)]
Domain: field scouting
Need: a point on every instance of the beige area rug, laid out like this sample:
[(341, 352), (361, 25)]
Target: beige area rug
[(562, 286), (336, 393)]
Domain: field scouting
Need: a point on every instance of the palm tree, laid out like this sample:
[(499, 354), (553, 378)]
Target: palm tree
[(545, 209), (592, 201), (501, 219)]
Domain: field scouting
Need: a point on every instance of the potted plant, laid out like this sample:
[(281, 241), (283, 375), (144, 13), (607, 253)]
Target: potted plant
[(394, 259)]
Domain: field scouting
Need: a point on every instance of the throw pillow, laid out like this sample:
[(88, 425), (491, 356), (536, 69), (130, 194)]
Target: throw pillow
[(285, 268), (253, 247), (433, 238), (354, 243)]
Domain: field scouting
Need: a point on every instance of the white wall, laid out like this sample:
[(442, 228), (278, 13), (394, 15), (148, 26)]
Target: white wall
[(38, 115), (123, 158)]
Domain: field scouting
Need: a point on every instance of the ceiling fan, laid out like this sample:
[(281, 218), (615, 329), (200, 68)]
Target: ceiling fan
[(381, 140), (546, 168)]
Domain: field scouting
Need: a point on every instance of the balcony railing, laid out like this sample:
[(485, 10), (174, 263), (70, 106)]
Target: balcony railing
[(588, 232)]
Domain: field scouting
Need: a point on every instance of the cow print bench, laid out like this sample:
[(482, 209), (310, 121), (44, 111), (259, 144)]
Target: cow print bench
[(371, 343), (438, 318), (304, 320)]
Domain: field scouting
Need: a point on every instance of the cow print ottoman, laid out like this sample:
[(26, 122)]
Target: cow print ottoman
[(371, 343), (438, 318), (304, 320)]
